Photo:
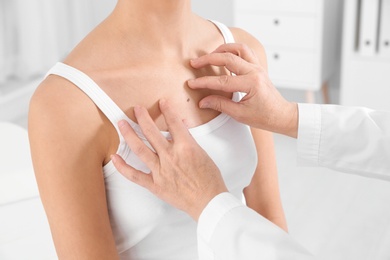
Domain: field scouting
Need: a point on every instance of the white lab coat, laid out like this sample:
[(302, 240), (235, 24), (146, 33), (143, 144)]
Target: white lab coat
[(348, 139)]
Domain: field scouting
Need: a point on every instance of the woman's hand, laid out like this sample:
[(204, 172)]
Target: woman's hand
[(263, 107), (182, 174)]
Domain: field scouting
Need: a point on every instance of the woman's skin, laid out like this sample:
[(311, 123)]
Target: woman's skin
[(140, 54)]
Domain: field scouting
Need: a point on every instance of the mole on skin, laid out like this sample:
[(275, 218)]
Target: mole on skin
[(188, 100)]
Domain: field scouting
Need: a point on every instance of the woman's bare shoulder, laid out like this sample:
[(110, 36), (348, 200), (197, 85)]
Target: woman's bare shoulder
[(59, 97), (59, 109), (242, 36)]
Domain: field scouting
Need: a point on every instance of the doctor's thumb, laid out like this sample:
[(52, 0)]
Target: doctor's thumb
[(219, 103)]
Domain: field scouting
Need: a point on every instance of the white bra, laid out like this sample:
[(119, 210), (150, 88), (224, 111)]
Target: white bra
[(145, 227)]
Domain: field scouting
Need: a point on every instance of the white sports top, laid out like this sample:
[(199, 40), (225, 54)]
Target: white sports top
[(144, 226)]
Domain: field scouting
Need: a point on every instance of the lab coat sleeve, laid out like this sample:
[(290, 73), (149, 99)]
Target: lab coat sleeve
[(348, 139), (228, 230)]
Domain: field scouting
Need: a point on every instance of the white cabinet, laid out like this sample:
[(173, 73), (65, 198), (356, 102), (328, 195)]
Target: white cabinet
[(301, 38), (296, 6), (366, 54)]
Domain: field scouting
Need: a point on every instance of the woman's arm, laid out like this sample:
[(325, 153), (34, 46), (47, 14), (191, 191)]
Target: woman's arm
[(66, 137), (262, 194)]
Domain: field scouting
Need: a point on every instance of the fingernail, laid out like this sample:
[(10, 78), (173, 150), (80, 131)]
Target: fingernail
[(162, 102), (113, 158), (204, 105), (121, 123), (193, 61), (190, 81), (137, 110)]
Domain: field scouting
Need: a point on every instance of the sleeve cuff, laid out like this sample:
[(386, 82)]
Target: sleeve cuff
[(309, 134), (214, 212)]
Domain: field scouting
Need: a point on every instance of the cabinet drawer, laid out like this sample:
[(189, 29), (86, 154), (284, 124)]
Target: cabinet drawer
[(297, 6), (292, 69), (281, 30)]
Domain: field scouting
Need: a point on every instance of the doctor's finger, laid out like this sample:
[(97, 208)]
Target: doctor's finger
[(224, 83), (137, 145), (232, 62), (223, 105), (177, 128), (150, 130), (143, 179), (239, 49)]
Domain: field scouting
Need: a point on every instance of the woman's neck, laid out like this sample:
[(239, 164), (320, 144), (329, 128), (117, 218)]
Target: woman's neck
[(160, 25)]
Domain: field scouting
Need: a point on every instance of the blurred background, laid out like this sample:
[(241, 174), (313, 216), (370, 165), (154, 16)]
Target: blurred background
[(34, 35), (319, 51)]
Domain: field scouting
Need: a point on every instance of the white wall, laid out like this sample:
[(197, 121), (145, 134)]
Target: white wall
[(35, 34), (219, 10)]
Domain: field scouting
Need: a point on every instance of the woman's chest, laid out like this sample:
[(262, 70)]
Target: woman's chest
[(146, 86)]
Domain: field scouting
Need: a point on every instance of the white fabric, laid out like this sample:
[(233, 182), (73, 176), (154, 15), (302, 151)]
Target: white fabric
[(25, 232), (354, 140), (99, 97), (17, 180), (145, 227), (348, 139), (228, 230), (24, 229)]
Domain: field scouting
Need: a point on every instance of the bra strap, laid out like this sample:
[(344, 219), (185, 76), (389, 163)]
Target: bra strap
[(93, 91), (226, 33)]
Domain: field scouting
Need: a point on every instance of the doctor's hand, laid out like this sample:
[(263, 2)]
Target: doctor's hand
[(182, 174), (263, 107)]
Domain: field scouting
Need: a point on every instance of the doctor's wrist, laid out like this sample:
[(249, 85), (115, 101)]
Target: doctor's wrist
[(201, 202), (292, 120), (284, 119)]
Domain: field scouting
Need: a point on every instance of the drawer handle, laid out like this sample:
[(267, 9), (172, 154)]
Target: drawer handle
[(276, 56), (276, 22), (387, 43)]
